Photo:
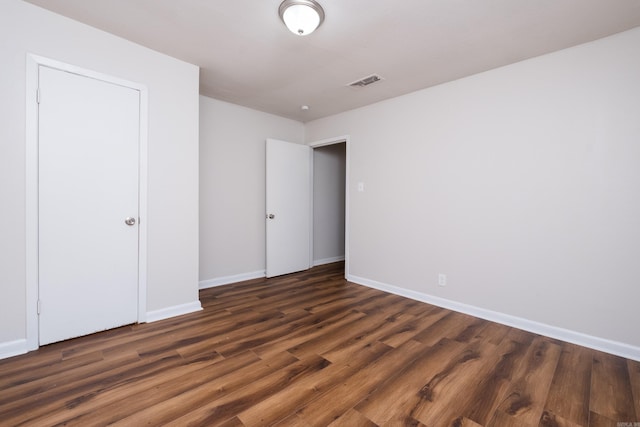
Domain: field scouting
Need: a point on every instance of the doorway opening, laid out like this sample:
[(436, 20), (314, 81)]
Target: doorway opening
[(330, 202)]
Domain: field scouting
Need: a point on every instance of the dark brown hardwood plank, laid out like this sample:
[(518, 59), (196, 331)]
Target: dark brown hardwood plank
[(191, 396), (279, 405), (449, 326), (570, 391), (491, 385), (309, 332), (597, 420), (24, 383), (311, 349), (357, 328), (233, 422), (494, 333), (243, 339), (73, 398), (67, 382), (549, 419), (408, 331), (611, 391), (353, 389), (368, 335), (634, 378), (417, 387), (236, 402), (455, 389), (465, 422), (525, 398), (352, 418)]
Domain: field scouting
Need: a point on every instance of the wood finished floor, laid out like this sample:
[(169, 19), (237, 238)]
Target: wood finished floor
[(311, 349)]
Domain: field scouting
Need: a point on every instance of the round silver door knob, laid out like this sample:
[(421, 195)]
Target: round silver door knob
[(130, 221)]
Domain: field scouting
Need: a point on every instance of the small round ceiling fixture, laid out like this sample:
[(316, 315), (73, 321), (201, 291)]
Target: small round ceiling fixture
[(301, 17)]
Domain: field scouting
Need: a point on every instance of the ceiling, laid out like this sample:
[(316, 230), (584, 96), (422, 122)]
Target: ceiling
[(248, 57)]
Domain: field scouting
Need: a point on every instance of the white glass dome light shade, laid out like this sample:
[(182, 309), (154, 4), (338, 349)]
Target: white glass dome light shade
[(301, 17)]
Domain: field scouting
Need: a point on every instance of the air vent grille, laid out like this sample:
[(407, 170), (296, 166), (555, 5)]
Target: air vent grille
[(366, 81)]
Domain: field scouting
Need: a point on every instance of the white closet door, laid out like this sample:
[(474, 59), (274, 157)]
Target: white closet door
[(88, 187)]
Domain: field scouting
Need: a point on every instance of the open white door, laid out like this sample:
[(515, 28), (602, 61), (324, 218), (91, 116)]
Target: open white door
[(88, 205), (288, 207)]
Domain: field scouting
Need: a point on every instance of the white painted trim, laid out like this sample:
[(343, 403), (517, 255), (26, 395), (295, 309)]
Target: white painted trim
[(329, 141), (579, 338), (143, 176), (176, 310), (225, 280), (327, 260), (13, 348), (310, 184), (31, 206), (33, 62), (347, 193), (347, 204)]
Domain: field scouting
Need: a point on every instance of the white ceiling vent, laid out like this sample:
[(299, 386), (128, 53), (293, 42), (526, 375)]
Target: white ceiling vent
[(366, 81)]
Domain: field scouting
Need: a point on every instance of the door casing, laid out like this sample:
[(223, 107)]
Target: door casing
[(31, 208)]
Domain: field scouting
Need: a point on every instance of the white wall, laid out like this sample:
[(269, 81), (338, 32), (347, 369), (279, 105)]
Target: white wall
[(172, 268), (329, 169), (232, 188), (522, 184)]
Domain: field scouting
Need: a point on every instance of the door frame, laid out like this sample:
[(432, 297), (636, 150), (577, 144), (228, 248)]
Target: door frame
[(322, 143), (31, 187)]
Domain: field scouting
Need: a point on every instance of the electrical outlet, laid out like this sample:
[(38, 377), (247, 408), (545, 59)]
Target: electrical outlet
[(442, 279)]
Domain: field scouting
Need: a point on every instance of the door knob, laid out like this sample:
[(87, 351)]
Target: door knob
[(271, 216), (130, 221)]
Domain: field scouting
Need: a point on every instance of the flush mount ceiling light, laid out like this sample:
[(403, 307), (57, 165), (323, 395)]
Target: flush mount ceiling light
[(301, 17)]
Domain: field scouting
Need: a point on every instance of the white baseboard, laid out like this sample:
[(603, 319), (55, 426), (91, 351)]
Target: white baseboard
[(176, 310), (324, 261), (18, 347), (596, 343), (13, 348), (219, 281)]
